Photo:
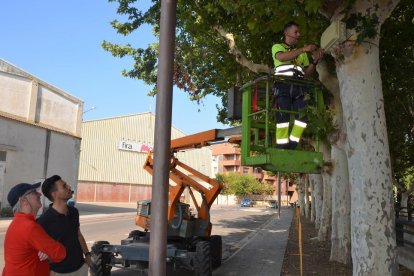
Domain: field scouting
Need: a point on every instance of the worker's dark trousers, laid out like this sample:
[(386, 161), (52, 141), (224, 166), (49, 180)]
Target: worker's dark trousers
[(289, 97)]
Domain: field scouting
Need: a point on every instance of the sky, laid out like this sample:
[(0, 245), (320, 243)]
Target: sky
[(59, 42)]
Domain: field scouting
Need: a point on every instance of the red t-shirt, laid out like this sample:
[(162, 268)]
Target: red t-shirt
[(24, 239)]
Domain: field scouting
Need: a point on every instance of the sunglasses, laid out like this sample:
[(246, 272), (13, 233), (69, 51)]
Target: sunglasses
[(34, 191)]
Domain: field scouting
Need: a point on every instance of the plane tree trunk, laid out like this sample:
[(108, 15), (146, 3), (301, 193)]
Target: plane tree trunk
[(372, 211), (307, 199), (339, 180), (326, 216), (301, 194), (313, 200), (316, 180)]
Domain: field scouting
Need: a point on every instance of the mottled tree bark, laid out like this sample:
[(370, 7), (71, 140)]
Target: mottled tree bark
[(341, 208), (372, 211), (307, 199), (301, 194), (316, 180), (341, 199), (313, 208), (326, 216)]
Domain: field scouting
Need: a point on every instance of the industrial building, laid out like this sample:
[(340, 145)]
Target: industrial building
[(113, 152), (39, 130)]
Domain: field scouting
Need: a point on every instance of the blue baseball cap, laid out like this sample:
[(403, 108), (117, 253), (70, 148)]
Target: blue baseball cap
[(19, 190)]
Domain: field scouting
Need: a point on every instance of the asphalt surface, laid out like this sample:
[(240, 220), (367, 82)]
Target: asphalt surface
[(259, 253), (262, 252)]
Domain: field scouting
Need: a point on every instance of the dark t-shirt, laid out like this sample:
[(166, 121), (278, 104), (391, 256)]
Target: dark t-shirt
[(64, 229)]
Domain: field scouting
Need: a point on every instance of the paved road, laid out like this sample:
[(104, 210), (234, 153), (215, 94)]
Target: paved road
[(114, 222)]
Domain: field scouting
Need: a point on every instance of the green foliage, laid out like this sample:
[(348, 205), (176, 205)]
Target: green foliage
[(320, 122), (407, 179), (397, 65), (242, 185), (366, 26), (203, 64), (6, 212)]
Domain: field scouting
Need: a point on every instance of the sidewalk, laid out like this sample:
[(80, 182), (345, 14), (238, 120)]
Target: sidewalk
[(262, 252), (91, 210)]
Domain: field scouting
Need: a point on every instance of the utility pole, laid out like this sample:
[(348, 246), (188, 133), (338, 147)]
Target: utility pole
[(162, 140)]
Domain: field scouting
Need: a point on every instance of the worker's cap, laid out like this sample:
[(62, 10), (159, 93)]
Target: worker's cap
[(19, 190)]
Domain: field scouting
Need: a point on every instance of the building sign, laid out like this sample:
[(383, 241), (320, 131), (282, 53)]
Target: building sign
[(134, 146)]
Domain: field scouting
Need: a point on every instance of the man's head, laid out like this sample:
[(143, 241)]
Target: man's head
[(25, 198), (54, 188), (291, 33)]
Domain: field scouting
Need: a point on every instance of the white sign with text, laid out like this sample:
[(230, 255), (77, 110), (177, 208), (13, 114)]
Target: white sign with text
[(134, 146)]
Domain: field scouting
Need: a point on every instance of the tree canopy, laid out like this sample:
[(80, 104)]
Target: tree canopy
[(220, 44), (397, 65), (243, 184), (203, 63)]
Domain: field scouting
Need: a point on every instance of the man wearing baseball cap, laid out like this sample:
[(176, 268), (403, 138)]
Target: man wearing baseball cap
[(26, 244)]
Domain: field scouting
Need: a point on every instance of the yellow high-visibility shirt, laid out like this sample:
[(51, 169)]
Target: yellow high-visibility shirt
[(302, 60)]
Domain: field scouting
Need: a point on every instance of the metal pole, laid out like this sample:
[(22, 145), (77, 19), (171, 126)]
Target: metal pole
[(162, 140), (287, 192), (279, 193)]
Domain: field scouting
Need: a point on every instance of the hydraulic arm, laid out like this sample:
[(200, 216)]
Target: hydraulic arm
[(207, 187)]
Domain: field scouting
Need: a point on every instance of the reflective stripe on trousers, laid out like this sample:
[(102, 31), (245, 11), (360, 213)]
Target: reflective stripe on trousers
[(282, 133), (297, 131)]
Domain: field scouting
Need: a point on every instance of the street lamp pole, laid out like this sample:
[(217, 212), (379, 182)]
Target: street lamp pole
[(162, 140)]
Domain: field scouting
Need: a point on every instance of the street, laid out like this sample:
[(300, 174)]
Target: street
[(113, 223)]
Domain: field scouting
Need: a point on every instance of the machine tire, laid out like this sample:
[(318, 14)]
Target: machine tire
[(203, 259), (100, 260), (216, 245)]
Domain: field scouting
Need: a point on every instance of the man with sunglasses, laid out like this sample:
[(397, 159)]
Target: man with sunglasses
[(26, 244)]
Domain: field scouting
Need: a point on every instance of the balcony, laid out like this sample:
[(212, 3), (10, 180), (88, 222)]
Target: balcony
[(229, 163)]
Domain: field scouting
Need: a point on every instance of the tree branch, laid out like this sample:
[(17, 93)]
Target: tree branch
[(240, 58), (331, 8), (386, 8)]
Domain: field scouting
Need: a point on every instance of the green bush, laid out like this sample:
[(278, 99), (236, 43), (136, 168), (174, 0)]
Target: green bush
[(6, 212)]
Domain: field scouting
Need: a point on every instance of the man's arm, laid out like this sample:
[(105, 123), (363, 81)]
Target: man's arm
[(84, 248), (44, 243), (316, 57), (290, 55)]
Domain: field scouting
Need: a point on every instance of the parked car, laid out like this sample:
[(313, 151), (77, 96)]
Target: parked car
[(272, 204), (246, 202)]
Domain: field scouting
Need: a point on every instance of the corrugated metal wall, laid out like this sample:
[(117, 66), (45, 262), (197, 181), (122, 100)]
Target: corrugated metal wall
[(102, 161)]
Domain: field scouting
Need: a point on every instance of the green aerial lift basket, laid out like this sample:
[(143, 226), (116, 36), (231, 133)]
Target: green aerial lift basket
[(258, 145)]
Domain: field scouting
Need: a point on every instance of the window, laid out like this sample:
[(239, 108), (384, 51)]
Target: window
[(257, 170), (3, 155), (245, 170)]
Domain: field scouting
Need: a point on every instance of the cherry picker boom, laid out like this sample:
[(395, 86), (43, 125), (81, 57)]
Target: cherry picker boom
[(190, 244)]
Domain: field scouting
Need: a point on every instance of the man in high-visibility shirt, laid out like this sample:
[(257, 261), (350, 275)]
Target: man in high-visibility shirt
[(293, 62)]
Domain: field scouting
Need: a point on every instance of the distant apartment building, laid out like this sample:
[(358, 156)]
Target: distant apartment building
[(227, 159)]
